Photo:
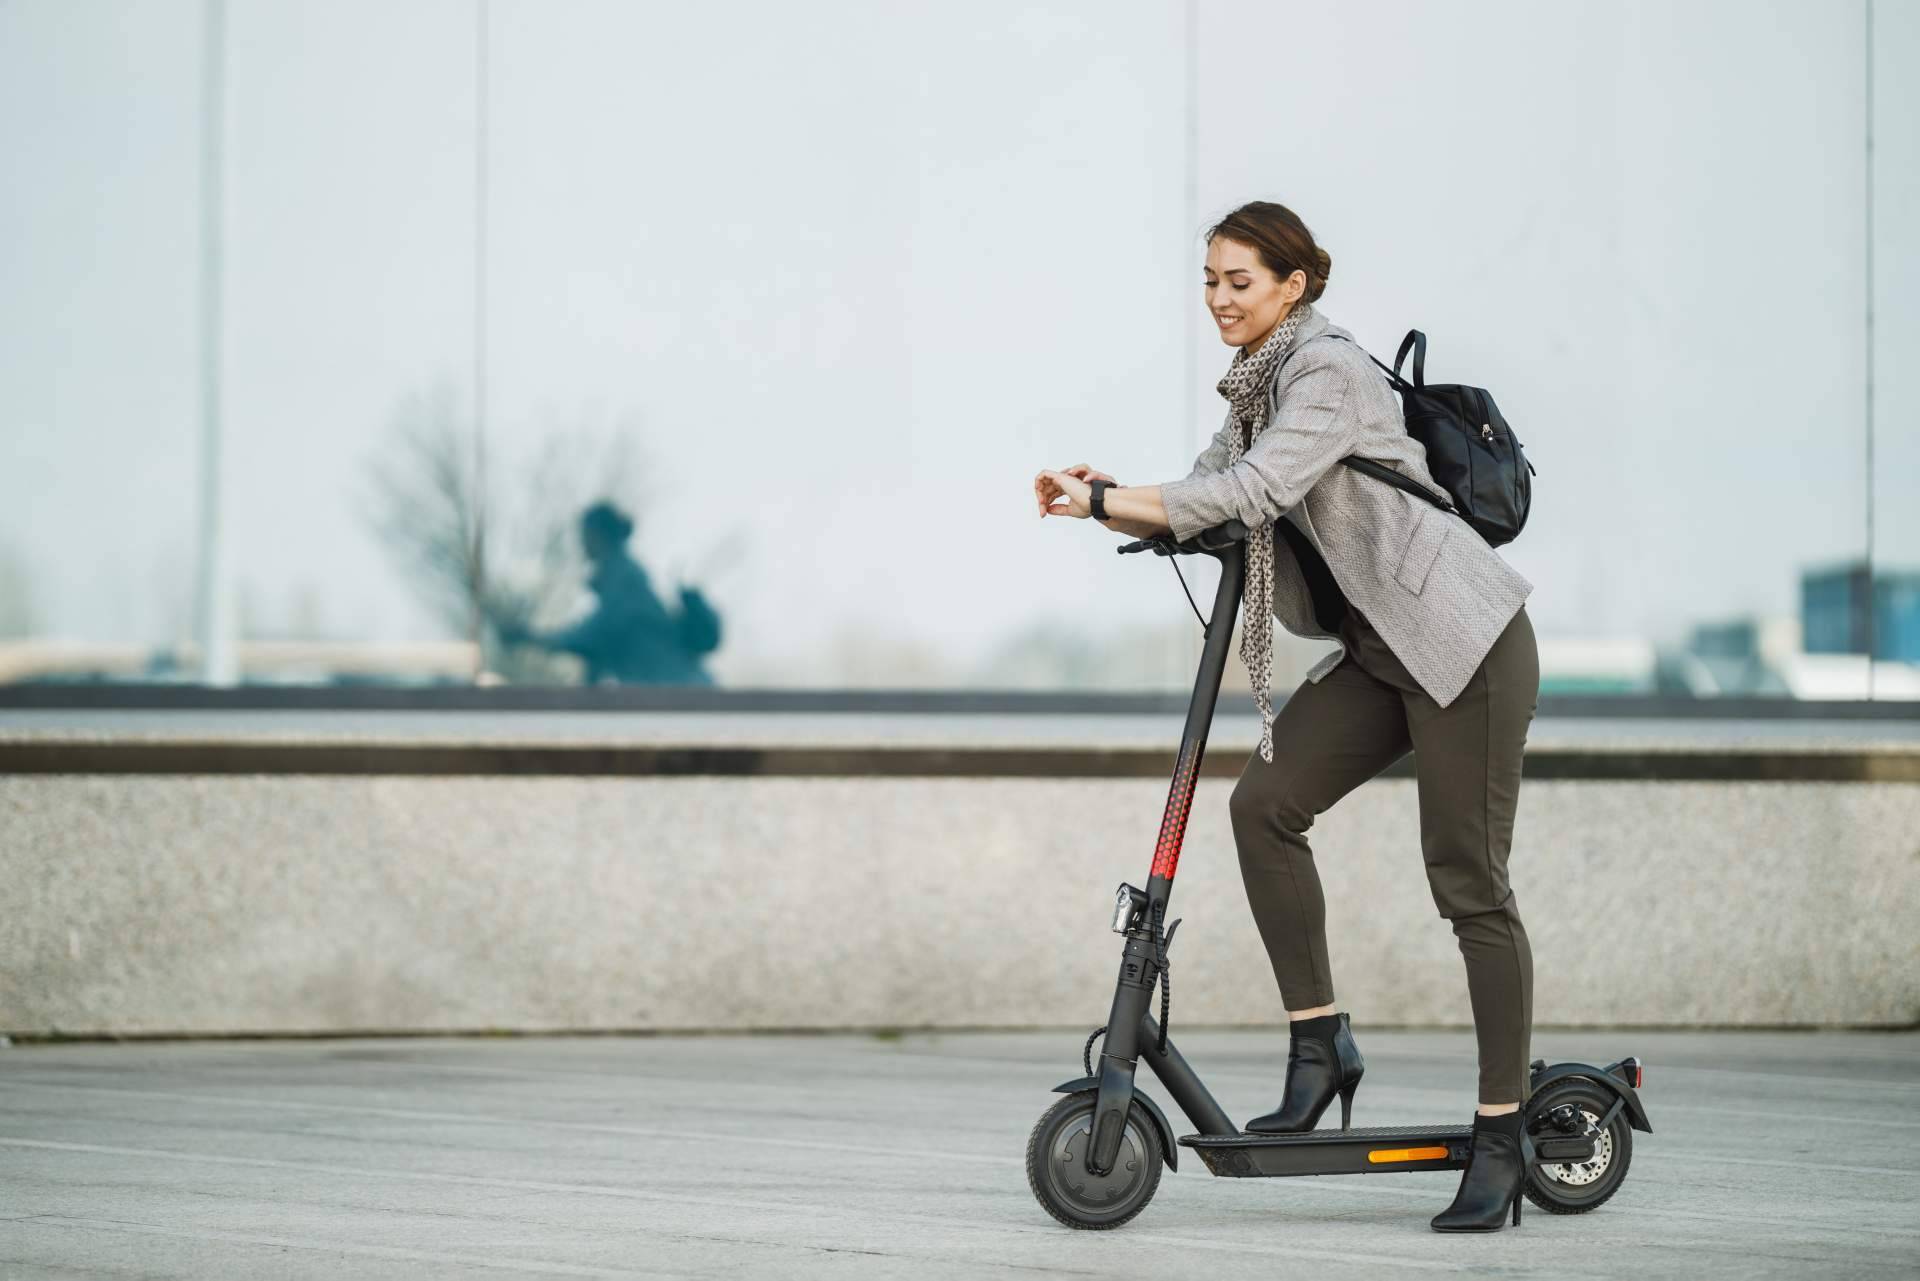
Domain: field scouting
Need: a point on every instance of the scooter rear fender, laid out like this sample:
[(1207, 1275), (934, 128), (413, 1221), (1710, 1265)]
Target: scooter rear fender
[(1636, 1114)]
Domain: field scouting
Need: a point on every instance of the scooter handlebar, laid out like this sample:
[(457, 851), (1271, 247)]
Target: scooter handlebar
[(1208, 542)]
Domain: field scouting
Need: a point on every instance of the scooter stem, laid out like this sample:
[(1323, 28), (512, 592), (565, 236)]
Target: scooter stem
[(1120, 1053), (1193, 740)]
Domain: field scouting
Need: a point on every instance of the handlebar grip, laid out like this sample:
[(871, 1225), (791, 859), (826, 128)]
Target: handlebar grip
[(1206, 542), (1220, 537)]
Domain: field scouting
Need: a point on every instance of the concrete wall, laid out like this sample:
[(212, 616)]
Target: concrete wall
[(295, 903)]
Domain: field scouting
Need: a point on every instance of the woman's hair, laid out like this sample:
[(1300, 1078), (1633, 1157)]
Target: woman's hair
[(1282, 241), (606, 519)]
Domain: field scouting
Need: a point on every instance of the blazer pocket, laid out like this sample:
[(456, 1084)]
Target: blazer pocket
[(1423, 548)]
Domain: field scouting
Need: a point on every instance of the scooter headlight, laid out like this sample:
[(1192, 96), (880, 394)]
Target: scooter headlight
[(1128, 903)]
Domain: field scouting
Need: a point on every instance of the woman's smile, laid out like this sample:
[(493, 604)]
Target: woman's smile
[(1236, 276)]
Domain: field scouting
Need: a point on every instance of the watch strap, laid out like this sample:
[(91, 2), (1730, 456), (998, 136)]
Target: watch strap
[(1099, 500)]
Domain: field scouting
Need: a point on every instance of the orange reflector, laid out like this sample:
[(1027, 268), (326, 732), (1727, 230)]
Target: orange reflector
[(1382, 1156)]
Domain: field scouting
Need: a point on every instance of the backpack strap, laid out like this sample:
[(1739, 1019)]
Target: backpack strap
[(1380, 471)]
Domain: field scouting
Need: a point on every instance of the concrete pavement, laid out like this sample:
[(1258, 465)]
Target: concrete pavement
[(1774, 1154)]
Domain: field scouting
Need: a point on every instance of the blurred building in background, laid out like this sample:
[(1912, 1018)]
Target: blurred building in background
[(1854, 609), (324, 323)]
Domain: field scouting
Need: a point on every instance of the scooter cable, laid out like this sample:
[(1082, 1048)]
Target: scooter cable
[(1205, 626), (1086, 1051), (1160, 940), (1161, 937)]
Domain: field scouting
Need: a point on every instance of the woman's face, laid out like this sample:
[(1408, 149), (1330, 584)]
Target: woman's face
[(1246, 299)]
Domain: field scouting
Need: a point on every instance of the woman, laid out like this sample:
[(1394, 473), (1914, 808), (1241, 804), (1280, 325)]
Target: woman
[(1436, 656), (630, 636)]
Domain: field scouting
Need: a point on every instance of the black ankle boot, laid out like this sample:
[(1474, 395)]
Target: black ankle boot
[(1322, 1061), (1495, 1174)]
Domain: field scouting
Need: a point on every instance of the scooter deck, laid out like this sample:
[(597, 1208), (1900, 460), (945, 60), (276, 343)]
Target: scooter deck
[(1366, 1150), (1382, 1149)]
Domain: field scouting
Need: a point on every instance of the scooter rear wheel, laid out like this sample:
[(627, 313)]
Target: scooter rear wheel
[(1057, 1172), (1575, 1187)]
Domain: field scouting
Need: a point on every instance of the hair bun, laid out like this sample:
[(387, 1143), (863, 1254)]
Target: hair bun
[(1322, 268)]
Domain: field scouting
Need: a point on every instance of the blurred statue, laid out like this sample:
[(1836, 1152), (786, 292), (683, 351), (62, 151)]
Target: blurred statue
[(630, 636)]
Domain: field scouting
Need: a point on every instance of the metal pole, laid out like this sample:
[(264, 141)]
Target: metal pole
[(1196, 439), (1191, 371), (480, 218), (1872, 594), (479, 490), (218, 665)]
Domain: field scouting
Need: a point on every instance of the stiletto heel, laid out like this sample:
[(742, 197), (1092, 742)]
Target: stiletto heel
[(1322, 1061), (1496, 1166)]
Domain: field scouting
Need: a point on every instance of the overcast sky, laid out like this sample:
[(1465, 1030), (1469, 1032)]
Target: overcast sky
[(850, 273)]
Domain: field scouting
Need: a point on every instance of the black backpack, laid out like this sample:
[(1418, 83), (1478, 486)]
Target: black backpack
[(1471, 452)]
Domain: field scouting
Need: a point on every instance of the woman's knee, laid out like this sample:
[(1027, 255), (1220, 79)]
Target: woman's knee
[(1480, 927), (1264, 807)]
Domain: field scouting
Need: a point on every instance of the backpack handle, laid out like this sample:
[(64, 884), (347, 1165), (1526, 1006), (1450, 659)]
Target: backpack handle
[(1417, 341), (1414, 339)]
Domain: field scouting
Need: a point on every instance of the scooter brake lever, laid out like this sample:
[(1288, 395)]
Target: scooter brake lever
[(1167, 940)]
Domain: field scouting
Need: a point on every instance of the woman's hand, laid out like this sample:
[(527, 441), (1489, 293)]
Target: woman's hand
[(1071, 485), (1088, 474)]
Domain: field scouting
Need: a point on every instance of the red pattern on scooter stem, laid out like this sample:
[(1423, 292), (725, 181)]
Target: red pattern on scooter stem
[(1173, 824)]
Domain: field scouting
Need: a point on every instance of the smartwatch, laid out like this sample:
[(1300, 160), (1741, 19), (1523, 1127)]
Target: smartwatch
[(1099, 500)]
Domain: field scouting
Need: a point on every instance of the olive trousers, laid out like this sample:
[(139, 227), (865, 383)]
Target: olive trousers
[(1332, 736)]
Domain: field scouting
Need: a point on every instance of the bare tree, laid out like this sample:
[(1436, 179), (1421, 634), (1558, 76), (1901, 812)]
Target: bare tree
[(428, 507), (486, 542)]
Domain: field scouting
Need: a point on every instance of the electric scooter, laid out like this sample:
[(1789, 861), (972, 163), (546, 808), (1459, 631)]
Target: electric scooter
[(1094, 1157)]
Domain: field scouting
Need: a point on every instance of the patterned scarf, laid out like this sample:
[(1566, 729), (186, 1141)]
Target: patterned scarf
[(1249, 388)]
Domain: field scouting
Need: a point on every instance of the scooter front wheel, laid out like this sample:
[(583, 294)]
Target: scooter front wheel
[(1057, 1165)]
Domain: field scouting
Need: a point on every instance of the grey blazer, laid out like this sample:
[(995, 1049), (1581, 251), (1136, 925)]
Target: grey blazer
[(1428, 584)]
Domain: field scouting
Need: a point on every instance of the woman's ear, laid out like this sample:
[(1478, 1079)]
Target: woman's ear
[(1296, 286)]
